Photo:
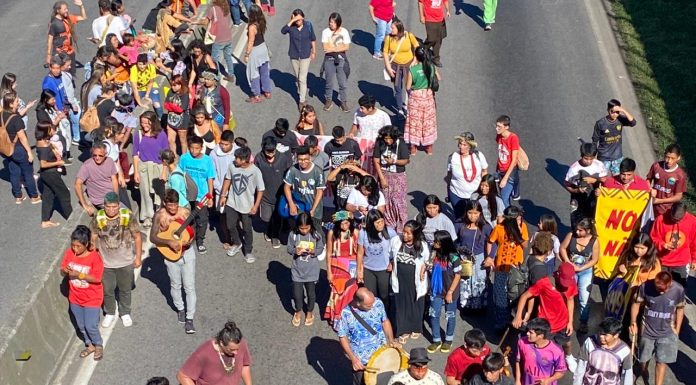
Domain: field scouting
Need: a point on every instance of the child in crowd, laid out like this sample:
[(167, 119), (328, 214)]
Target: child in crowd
[(306, 245), (465, 361), (493, 367), (604, 359), (539, 360), (444, 289), (548, 223), (130, 48)]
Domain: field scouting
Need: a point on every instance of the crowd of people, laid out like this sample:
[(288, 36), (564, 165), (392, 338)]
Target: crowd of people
[(158, 126)]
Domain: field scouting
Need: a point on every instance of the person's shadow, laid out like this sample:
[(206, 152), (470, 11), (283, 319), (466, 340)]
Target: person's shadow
[(327, 358), (383, 94), (315, 86), (363, 39), (473, 11), (286, 82), (279, 275), (154, 270), (556, 170)]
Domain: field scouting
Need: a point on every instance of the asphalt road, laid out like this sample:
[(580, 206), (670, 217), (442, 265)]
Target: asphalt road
[(540, 65)]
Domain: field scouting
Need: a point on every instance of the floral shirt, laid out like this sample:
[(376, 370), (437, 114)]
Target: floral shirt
[(361, 341)]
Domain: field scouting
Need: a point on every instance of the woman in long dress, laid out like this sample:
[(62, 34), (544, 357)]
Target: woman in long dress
[(341, 263)]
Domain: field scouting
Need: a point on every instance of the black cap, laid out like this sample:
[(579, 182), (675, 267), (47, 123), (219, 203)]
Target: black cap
[(418, 356)]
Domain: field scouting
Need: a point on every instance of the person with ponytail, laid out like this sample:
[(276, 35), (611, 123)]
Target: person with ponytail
[(409, 281), (511, 237), (51, 169), (226, 356), (422, 81)]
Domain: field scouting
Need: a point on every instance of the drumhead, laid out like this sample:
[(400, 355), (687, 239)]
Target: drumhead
[(386, 360)]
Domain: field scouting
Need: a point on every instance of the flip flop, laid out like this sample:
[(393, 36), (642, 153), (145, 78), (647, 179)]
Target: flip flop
[(415, 336), (87, 351), (296, 320), (309, 321), (403, 339)]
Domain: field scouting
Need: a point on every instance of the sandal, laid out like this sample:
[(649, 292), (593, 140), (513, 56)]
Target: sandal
[(309, 321), (98, 353), (296, 319), (87, 351), (415, 336), (403, 339)]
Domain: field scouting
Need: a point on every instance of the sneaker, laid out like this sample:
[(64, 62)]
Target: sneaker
[(516, 198), (181, 316), (20, 199), (434, 347), (266, 237), (108, 321), (189, 327), (36, 200), (571, 362), (328, 105), (67, 162), (202, 249), (402, 113), (275, 242), (446, 347), (127, 320), (75, 142), (236, 25), (233, 250), (488, 27), (344, 107), (249, 258), (378, 56)]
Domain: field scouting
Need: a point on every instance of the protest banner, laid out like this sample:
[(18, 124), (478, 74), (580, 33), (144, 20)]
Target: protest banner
[(617, 218), (619, 294)]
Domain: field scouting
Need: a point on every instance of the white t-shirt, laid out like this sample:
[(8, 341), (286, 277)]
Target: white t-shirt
[(357, 198), (596, 168), (369, 125), (473, 166), (116, 24), (340, 37), (112, 150)]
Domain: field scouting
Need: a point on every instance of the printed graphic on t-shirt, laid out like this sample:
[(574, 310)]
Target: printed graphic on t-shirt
[(75, 282), (503, 153), (240, 183)]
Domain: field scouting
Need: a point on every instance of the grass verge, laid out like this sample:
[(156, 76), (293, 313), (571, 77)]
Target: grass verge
[(658, 38)]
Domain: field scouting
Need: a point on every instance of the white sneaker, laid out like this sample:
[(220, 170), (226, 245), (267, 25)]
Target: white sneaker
[(571, 362), (127, 320), (108, 321)]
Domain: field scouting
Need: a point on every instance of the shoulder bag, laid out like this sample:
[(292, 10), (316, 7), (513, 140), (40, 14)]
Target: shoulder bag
[(391, 57), (362, 321)]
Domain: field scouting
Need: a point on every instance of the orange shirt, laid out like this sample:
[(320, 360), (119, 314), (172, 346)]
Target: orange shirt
[(509, 253), (647, 275)]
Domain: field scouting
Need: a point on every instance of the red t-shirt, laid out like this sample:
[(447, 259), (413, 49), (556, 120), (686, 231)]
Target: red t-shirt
[(552, 305), (461, 365), (82, 292), (637, 184), (383, 9), (434, 10), (505, 148), (667, 183), (204, 366)]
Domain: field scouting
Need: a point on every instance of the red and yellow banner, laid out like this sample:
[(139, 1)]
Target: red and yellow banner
[(617, 217)]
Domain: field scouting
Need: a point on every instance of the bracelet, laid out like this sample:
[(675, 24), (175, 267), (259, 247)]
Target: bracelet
[(81, 276)]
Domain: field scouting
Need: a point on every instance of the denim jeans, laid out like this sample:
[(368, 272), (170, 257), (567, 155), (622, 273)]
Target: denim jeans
[(21, 171), (511, 185), (584, 280), (458, 203), (236, 10), (381, 29), (75, 124), (436, 303), (183, 272), (224, 49), (334, 72), (87, 319), (155, 97)]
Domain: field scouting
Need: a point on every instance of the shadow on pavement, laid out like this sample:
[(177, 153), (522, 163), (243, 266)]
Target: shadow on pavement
[(473, 11), (279, 275), (315, 86), (327, 358), (556, 170), (286, 82), (155, 271), (532, 213), (383, 94), (363, 39), (683, 369)]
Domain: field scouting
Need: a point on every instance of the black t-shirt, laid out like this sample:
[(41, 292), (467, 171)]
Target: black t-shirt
[(46, 154), (104, 109), (286, 144), (607, 136), (57, 30), (273, 174), (338, 154), (13, 126), (398, 151)]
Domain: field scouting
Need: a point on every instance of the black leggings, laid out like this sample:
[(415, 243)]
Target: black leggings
[(378, 283), (298, 289), (52, 188)]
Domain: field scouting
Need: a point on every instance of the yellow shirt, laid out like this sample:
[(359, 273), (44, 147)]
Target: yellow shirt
[(142, 78), (405, 54)]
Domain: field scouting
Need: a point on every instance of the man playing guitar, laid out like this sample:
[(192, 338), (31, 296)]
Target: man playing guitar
[(182, 271)]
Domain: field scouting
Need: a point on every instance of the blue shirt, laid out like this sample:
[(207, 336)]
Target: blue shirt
[(377, 255), (177, 182), (362, 342), (55, 84), (300, 40), (200, 170)]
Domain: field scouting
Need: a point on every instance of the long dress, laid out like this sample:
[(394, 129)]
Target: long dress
[(343, 267), (421, 122), (409, 309)]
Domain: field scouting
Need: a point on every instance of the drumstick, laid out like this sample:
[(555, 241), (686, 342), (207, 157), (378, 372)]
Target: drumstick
[(504, 336)]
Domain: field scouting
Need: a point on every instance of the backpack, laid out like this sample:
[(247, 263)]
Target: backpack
[(191, 187), (518, 280), (7, 146), (90, 119)]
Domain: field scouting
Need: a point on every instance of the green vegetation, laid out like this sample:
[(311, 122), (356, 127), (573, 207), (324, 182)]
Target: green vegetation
[(659, 42)]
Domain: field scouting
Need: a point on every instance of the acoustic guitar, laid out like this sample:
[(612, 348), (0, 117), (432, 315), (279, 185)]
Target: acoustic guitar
[(176, 231)]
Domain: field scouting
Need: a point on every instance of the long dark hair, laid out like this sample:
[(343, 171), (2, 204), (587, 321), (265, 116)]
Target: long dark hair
[(424, 57), (304, 219), (474, 205), (374, 236), (229, 333), (390, 131), (94, 79), (256, 17), (650, 257), (155, 126), (447, 246), (431, 199), (512, 228), (46, 95), (417, 231), (8, 80), (337, 228), (491, 196), (370, 183), (586, 224)]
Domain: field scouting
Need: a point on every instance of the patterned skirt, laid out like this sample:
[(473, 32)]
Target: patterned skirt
[(396, 211), (421, 123)]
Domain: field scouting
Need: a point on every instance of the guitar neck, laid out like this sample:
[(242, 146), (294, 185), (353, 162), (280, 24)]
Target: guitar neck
[(194, 210)]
